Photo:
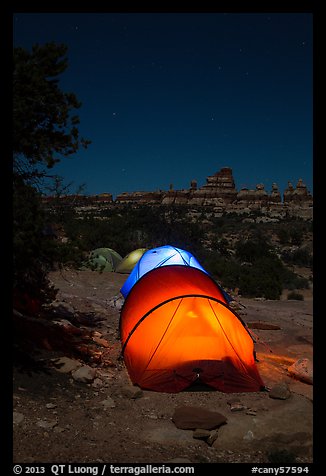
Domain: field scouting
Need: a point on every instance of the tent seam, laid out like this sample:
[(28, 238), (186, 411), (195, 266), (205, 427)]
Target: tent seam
[(169, 300)]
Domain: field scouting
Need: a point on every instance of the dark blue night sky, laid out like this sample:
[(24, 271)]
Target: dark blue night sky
[(172, 97)]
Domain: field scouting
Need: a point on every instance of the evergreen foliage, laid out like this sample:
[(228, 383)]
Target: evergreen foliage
[(44, 126), (45, 129)]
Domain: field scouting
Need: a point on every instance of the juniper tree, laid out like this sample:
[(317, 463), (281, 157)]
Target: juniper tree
[(45, 130)]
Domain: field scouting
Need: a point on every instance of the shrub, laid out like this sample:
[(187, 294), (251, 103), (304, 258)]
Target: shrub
[(299, 257), (296, 296), (292, 281)]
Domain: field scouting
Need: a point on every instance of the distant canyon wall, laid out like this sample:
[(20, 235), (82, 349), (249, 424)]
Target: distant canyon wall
[(220, 193)]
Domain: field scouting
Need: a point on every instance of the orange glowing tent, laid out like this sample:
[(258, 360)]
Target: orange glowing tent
[(177, 329)]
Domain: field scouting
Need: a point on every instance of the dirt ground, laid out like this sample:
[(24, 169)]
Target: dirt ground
[(59, 419)]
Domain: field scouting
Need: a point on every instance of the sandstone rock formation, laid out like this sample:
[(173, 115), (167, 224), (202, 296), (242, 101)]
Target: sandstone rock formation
[(219, 192)]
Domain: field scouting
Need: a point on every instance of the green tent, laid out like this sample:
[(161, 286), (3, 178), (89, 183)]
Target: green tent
[(128, 262), (102, 259)]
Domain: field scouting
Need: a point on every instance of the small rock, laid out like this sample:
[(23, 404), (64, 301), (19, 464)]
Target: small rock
[(58, 429), (108, 403), (84, 374), (152, 416), (249, 436), (97, 383), (51, 405), (212, 437), (302, 369), (47, 424), (251, 412), (201, 434), (66, 365), (237, 407), (17, 418), (280, 391)]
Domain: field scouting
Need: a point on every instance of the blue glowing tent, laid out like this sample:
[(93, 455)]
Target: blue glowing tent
[(162, 256)]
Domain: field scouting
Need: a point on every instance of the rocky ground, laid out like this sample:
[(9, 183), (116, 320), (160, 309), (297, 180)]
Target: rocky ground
[(70, 409)]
